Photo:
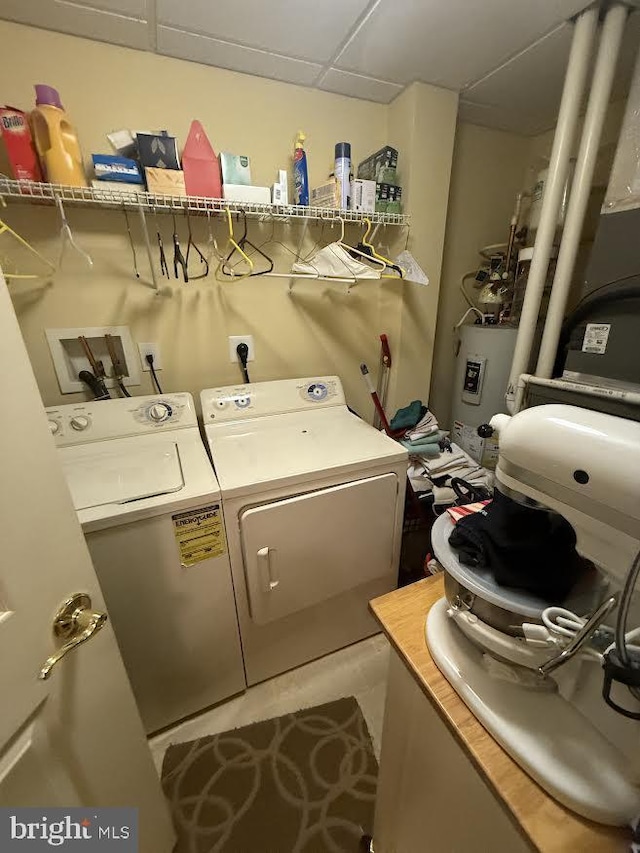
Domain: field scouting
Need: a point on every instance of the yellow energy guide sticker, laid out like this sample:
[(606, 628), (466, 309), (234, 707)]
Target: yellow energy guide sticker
[(199, 534)]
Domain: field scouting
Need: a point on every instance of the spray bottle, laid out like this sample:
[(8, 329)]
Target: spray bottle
[(300, 173), (342, 171)]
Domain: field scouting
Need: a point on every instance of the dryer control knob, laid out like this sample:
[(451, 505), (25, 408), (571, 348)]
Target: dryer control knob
[(54, 427), (79, 422), (159, 412)]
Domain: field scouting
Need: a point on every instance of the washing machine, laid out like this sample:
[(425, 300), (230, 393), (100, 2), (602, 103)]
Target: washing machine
[(149, 505), (313, 501)]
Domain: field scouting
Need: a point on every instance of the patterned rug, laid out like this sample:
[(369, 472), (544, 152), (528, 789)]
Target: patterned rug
[(302, 783)]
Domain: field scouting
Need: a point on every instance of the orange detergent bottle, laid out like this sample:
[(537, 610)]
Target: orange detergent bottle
[(56, 140)]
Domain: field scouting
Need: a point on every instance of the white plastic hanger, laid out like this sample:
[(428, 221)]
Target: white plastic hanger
[(66, 236)]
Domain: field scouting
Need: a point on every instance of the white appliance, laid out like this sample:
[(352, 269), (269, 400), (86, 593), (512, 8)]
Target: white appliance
[(313, 501), (150, 509), (482, 373), (537, 675)]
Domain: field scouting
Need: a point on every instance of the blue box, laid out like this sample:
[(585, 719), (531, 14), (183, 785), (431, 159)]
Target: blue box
[(112, 167)]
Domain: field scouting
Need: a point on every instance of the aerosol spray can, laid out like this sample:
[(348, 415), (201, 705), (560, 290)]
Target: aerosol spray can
[(342, 172)]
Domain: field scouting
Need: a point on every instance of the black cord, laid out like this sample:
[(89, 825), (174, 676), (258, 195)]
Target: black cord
[(149, 359), (243, 354), (124, 391)]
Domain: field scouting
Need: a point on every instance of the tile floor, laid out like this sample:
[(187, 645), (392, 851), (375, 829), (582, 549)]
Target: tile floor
[(359, 670)]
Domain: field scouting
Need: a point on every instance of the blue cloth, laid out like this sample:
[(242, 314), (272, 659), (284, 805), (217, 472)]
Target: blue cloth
[(409, 416)]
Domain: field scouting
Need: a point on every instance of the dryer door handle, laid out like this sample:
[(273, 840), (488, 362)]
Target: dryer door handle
[(269, 583)]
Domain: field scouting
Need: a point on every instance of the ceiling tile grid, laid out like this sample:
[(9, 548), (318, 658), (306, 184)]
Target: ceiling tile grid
[(505, 57)]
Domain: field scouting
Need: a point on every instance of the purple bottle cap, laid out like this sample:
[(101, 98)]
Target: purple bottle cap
[(47, 95)]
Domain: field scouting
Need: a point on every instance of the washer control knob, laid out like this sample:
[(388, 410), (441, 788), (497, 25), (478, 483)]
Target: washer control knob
[(79, 422), (159, 412), (54, 427)]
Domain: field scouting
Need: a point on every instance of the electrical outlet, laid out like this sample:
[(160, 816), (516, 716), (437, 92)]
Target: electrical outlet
[(234, 340), (150, 349)]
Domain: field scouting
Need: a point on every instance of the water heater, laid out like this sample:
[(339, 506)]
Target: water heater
[(482, 372)]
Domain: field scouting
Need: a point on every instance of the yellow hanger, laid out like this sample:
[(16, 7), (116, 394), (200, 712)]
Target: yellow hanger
[(5, 228), (220, 276), (380, 257), (351, 249)]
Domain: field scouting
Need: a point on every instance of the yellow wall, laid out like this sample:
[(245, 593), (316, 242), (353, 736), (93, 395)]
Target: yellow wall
[(320, 328), (488, 170)]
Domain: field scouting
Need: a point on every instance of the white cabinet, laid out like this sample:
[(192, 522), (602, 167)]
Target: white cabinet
[(431, 798)]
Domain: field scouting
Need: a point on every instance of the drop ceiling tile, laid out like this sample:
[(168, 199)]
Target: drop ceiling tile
[(131, 8), (235, 57), (524, 94), (309, 29), (452, 43), (358, 86), (115, 21)]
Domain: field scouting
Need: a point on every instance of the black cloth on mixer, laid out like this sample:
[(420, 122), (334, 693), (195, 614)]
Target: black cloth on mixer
[(524, 548)]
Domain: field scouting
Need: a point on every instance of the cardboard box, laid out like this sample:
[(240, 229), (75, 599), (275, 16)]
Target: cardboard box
[(200, 164), (484, 451), (116, 191), (165, 181), (369, 169), (17, 152), (111, 167), (158, 150), (363, 196), (235, 168), (326, 195), (283, 179), (241, 192)]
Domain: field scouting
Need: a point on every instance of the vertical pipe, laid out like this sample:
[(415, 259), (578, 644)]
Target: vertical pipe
[(610, 39), (577, 67)]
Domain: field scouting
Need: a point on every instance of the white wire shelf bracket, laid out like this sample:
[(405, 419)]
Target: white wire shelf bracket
[(132, 199)]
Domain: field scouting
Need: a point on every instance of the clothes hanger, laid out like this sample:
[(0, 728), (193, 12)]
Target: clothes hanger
[(131, 243), (352, 250), (222, 259), (243, 242), (190, 245), (179, 259), (164, 266), (66, 236), (369, 247), (6, 229)]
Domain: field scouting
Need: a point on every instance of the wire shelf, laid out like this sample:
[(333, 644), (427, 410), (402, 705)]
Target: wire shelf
[(131, 199)]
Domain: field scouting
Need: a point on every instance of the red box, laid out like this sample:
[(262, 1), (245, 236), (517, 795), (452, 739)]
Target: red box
[(200, 164), (18, 152)]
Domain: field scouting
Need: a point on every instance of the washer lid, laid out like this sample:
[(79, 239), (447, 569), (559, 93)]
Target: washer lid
[(98, 476), (481, 582), (294, 446)]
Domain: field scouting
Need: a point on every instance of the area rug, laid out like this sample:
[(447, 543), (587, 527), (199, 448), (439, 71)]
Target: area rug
[(302, 783)]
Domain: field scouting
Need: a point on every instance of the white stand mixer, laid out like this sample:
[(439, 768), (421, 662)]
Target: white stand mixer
[(556, 686)]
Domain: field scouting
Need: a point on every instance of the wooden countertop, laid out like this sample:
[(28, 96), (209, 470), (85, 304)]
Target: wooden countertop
[(546, 824)]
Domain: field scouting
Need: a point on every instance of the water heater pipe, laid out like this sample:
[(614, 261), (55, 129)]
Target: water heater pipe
[(577, 68), (610, 40)]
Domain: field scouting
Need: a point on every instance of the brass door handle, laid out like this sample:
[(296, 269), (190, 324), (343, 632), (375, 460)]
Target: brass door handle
[(76, 623)]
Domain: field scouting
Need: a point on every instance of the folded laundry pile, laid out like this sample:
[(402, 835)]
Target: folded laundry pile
[(434, 461)]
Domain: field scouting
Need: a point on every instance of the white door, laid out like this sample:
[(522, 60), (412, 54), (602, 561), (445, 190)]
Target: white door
[(303, 550), (76, 738)]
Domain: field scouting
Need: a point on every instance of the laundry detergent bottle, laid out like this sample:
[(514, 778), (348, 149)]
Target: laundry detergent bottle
[(300, 173), (56, 140)]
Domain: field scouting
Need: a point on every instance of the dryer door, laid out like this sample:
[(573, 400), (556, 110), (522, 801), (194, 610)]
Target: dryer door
[(305, 549)]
